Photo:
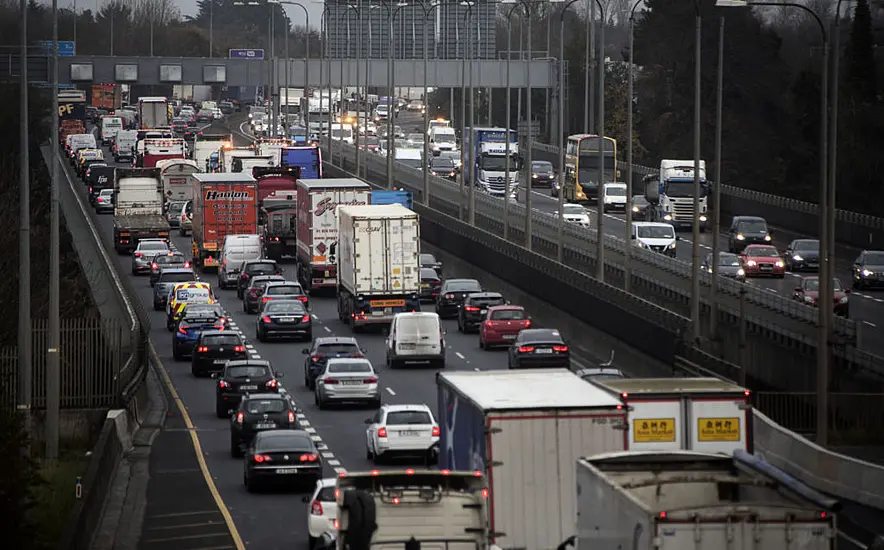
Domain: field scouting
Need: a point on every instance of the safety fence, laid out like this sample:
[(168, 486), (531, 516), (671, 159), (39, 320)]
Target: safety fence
[(851, 228)]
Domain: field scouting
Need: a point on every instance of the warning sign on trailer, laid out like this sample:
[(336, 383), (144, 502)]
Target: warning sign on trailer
[(653, 430), (718, 429)]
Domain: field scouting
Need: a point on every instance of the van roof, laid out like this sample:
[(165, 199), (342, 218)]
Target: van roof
[(671, 386)]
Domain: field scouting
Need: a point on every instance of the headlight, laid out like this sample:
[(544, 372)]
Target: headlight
[(709, 269), (673, 245), (534, 176), (751, 263), (668, 217), (797, 258), (867, 273), (843, 299), (780, 263), (741, 273), (767, 238), (635, 208), (702, 218), (809, 299), (740, 237)]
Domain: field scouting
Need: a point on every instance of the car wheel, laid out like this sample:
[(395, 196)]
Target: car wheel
[(368, 454), (239, 293), (260, 335), (311, 542), (221, 284), (157, 306), (460, 326), (176, 353), (376, 404), (306, 380), (235, 451), (481, 342), (134, 271), (439, 363), (250, 485), (194, 371), (221, 410)]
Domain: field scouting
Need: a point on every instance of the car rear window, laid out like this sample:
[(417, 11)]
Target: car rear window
[(287, 306), (166, 259), (468, 286), (401, 418), (485, 302), (281, 290), (290, 442), (260, 269), (222, 340), (260, 284), (152, 246), (509, 315), (326, 494), (248, 371), (176, 277), (265, 406), (427, 326), (349, 367), (336, 349)]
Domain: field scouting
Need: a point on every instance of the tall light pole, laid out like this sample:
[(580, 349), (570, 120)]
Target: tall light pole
[(428, 11), (630, 137), (560, 139), (824, 316), (471, 152), (600, 203), (211, 26), (25, 372), (695, 245), (509, 98), (306, 59), (588, 124), (716, 206), (53, 375), (465, 163)]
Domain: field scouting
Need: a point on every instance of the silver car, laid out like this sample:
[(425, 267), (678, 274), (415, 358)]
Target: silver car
[(728, 265), (167, 280), (142, 256), (347, 379)]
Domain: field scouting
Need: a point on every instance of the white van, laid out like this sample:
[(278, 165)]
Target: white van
[(443, 138), (413, 158), (416, 336), (81, 141), (124, 145), (110, 125), (655, 236), (236, 250), (614, 197), (342, 132)]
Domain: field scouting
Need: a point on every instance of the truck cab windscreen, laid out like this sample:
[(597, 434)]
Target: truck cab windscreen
[(444, 138), (683, 189), (496, 164)]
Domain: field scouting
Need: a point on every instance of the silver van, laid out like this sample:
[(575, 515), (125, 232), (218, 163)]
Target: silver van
[(416, 337), (236, 250)]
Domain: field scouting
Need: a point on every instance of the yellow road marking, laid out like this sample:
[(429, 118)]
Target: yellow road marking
[(198, 449)]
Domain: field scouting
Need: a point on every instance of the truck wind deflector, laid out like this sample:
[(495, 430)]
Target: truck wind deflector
[(265, 171), (276, 205)]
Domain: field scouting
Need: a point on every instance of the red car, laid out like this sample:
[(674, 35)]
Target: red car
[(809, 293), (501, 326), (762, 260)]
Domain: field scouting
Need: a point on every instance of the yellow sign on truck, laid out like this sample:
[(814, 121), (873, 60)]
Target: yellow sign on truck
[(718, 429), (653, 430)]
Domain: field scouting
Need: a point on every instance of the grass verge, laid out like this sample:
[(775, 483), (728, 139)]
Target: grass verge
[(57, 495)]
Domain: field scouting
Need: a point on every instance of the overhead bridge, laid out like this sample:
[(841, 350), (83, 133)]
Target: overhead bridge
[(248, 72)]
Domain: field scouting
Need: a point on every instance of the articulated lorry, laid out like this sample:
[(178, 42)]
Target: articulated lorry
[(153, 112), (396, 196), (176, 178), (307, 158), (223, 204), (318, 200), (671, 194), (525, 429), (378, 266), (205, 145), (279, 212), (138, 207), (675, 500), (485, 160)]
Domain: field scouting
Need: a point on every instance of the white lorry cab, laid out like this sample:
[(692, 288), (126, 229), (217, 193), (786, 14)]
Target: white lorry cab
[(110, 125), (655, 236), (342, 132)]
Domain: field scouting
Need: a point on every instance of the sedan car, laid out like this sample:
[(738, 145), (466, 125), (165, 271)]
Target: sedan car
[(728, 265), (452, 294), (251, 298), (257, 412), (640, 207), (501, 326), (802, 255), (179, 125), (280, 456), (168, 260), (406, 430), (539, 347), (576, 214), (104, 202), (762, 260), (145, 252), (284, 318), (428, 261), (323, 349), (444, 167), (475, 307), (430, 283), (189, 329), (868, 269), (322, 511), (240, 378), (808, 292), (285, 290), (205, 115), (347, 380), (173, 212), (213, 349), (255, 268)]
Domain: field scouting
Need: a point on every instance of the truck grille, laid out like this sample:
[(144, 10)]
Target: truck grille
[(683, 209)]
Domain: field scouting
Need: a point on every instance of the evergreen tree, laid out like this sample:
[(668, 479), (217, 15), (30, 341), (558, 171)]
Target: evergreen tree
[(20, 476), (860, 56)]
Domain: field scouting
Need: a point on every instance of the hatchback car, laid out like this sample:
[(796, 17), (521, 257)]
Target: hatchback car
[(251, 298), (213, 349), (452, 294), (284, 318), (173, 212), (281, 456), (168, 260), (257, 412), (539, 347), (240, 378), (802, 255), (729, 265), (542, 174), (104, 202), (145, 252), (284, 290), (475, 307), (255, 268), (430, 283), (868, 269), (761, 260), (808, 292), (347, 380), (322, 511), (501, 325), (407, 430), (166, 281), (745, 231), (189, 329), (323, 349), (205, 115)]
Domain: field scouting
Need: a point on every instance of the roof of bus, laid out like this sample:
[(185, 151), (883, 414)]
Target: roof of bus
[(584, 136)]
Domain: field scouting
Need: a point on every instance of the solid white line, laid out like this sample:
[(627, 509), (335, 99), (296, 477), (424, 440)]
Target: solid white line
[(327, 329), (390, 391), (459, 354)]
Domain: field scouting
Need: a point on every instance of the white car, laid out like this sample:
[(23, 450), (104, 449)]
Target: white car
[(322, 512), (216, 112), (574, 213), (615, 197), (347, 379), (408, 430)]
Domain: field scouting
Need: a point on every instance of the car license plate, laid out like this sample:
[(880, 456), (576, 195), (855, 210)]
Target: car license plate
[(424, 285), (245, 388), (286, 470), (220, 361), (377, 313), (483, 311), (543, 350), (509, 336), (409, 434), (286, 319), (265, 425), (351, 382)]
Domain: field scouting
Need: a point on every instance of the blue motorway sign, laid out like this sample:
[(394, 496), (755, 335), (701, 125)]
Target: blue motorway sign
[(246, 54), (66, 48)]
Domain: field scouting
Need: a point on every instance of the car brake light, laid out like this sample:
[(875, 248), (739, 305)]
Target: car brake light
[(202, 349), (239, 349), (312, 457), (489, 323), (291, 417), (138, 254), (253, 293), (261, 458), (186, 264), (302, 299), (239, 417), (244, 276), (154, 266), (316, 358), (271, 384), (223, 384), (471, 308), (181, 330), (329, 381), (266, 319), (265, 299), (527, 323), (370, 380), (382, 432), (316, 508), (435, 431), (526, 349), (560, 349), (305, 318)]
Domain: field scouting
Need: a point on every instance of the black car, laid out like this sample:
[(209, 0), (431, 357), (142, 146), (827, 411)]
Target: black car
[(169, 260), (430, 283), (98, 179), (443, 167), (475, 308), (539, 347), (280, 456), (251, 298), (179, 125), (868, 269), (172, 213), (323, 349), (542, 174), (640, 208), (189, 328), (430, 261), (213, 349), (284, 318), (166, 281), (255, 268), (240, 378), (257, 412), (452, 294), (802, 255), (285, 290), (746, 230)]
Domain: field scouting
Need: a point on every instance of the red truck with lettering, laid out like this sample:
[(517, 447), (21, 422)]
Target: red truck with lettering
[(317, 226), (224, 204)]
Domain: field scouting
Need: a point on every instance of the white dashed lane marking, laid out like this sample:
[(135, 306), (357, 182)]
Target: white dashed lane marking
[(390, 391), (327, 329), (459, 354)]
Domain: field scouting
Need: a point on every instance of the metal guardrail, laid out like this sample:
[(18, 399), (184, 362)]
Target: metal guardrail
[(854, 229)]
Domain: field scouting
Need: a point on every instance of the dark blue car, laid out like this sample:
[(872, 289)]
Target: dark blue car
[(189, 329)]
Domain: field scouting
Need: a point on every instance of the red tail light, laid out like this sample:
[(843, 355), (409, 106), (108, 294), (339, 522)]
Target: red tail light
[(181, 330), (317, 358), (528, 323), (271, 383), (560, 349), (382, 432), (266, 319), (265, 299), (202, 349), (329, 381), (316, 508), (370, 380), (435, 431), (261, 458), (291, 417), (138, 254), (312, 457), (489, 323), (305, 318), (244, 276), (223, 384), (471, 308), (526, 349), (186, 264), (239, 349), (253, 293), (239, 417), (302, 299), (154, 266)]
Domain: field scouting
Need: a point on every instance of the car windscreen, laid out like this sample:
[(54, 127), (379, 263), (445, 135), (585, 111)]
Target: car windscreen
[(752, 227), (265, 406), (656, 232), (806, 245), (293, 307), (222, 340), (248, 371), (509, 315), (176, 277), (615, 191), (762, 252), (574, 209), (401, 418), (285, 290), (729, 260), (341, 367)]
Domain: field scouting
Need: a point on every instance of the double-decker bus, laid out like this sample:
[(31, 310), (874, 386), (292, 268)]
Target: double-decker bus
[(582, 169)]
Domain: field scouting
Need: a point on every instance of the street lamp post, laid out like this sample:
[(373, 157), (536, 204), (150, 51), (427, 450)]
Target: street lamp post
[(428, 11), (630, 95), (391, 142), (695, 245), (471, 152), (53, 349), (306, 61), (716, 206), (509, 98), (465, 163), (24, 376), (824, 315), (560, 139), (588, 124), (600, 203)]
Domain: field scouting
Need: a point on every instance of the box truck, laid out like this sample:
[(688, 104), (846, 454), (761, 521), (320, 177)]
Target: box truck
[(176, 178), (674, 500), (525, 430), (378, 265), (223, 204), (138, 207)]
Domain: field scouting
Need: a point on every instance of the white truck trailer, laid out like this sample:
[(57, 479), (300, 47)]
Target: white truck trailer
[(525, 430), (681, 500), (696, 414), (378, 263)]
